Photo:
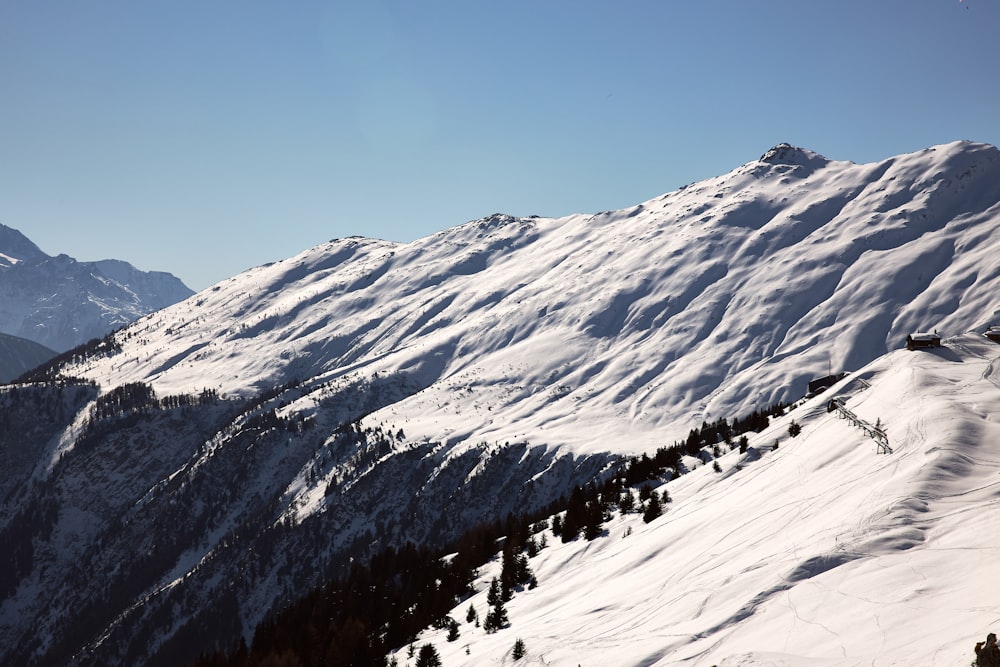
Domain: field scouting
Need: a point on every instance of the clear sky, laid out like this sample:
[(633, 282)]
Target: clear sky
[(203, 138)]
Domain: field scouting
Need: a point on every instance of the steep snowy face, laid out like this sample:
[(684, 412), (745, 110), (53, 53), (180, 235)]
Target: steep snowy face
[(707, 302), (61, 303)]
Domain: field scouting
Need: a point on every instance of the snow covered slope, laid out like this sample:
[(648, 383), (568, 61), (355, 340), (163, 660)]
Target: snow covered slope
[(707, 302), (819, 552), (61, 303), (364, 392)]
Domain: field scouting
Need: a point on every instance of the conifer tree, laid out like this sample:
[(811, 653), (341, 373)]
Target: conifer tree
[(518, 651), (496, 618), (508, 571), (522, 572), (576, 514), (653, 507), (514, 570), (627, 502), (428, 656), (494, 597), (531, 546), (594, 522)]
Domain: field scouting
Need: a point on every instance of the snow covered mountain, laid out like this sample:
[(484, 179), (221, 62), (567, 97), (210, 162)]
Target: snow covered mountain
[(60, 303), (201, 466), (709, 301)]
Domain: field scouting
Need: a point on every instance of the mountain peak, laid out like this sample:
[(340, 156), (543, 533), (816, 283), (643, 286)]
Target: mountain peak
[(16, 246), (786, 154)]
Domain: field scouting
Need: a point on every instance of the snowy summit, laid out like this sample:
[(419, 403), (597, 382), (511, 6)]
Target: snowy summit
[(787, 154)]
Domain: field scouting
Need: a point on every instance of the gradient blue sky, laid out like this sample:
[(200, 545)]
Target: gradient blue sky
[(203, 138)]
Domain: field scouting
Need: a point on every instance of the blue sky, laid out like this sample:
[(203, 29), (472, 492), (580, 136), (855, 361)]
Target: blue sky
[(203, 138)]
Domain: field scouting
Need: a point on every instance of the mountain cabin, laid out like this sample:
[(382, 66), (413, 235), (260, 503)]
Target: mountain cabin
[(819, 385), (993, 333), (921, 340)]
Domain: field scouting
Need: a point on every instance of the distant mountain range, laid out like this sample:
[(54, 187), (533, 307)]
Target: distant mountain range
[(214, 459), (60, 303)]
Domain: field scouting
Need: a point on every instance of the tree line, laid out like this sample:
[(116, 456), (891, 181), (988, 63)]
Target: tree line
[(385, 603), (382, 605)]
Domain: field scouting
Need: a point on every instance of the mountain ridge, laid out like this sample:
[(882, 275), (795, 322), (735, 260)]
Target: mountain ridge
[(685, 273)]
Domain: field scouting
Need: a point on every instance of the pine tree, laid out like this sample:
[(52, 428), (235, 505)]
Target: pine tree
[(428, 656), (531, 546), (514, 570), (794, 429), (508, 574), (518, 651), (576, 514), (627, 502), (522, 572), (494, 597), (594, 521), (653, 507), (496, 618)]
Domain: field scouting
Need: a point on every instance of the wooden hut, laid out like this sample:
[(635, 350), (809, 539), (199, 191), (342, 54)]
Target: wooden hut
[(921, 340)]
